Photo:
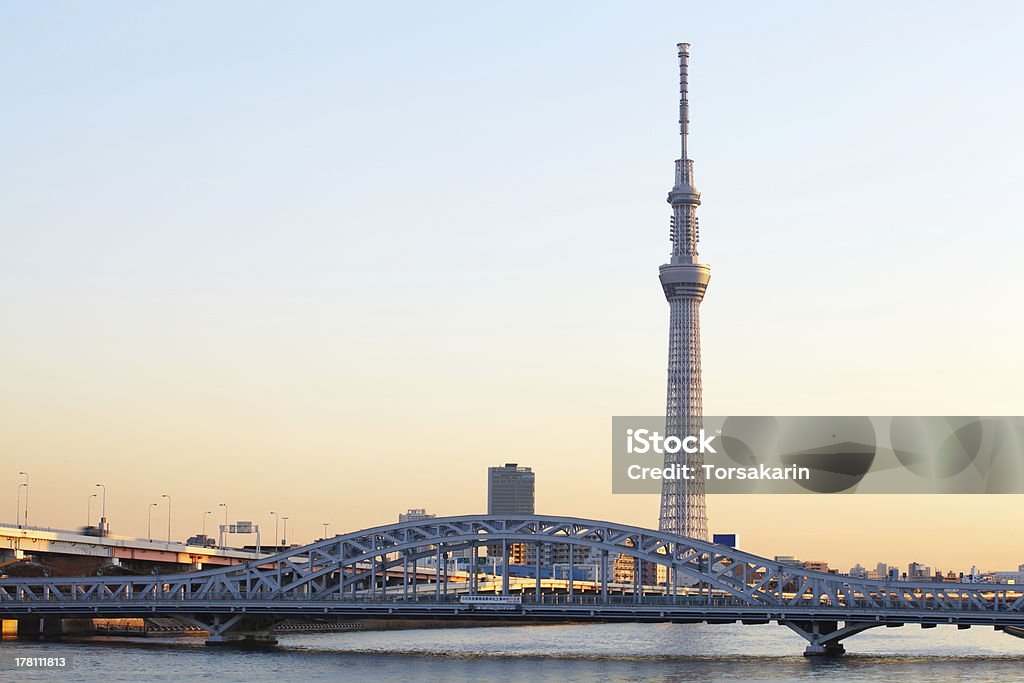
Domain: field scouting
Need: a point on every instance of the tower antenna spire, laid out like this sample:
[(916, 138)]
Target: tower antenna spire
[(684, 165), (684, 103)]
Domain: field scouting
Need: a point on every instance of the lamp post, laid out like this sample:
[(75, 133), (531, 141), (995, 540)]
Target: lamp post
[(103, 511), (20, 486), (88, 510), (223, 529), (325, 525), (277, 537), (285, 539), (208, 512), (149, 522), (25, 474), (164, 495)]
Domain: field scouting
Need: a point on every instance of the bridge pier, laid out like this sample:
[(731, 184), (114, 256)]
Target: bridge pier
[(40, 628), (238, 630), (826, 650), (823, 636)]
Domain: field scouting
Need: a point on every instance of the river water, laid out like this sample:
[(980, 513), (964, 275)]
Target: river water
[(593, 652)]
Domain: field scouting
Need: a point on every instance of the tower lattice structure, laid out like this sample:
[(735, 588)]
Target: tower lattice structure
[(684, 280)]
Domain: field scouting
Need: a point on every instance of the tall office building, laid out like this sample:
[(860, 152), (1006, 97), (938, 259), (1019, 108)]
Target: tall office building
[(510, 490), (684, 280)]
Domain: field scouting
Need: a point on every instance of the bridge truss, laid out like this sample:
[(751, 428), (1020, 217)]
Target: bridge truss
[(400, 571)]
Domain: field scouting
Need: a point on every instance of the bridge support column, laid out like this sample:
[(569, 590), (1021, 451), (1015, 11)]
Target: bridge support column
[(373, 578), (239, 630), (444, 559), (504, 567), (571, 563), (815, 649), (35, 628), (437, 573), (536, 569), (604, 577), (823, 636)]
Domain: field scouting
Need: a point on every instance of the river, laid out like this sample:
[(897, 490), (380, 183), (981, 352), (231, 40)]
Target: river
[(593, 652)]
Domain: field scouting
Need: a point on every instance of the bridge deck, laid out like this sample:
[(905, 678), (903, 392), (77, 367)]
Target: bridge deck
[(550, 607)]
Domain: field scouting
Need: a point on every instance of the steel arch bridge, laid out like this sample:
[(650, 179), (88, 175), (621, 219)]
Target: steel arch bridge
[(400, 571)]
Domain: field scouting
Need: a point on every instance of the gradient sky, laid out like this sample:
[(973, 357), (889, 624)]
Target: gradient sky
[(334, 260)]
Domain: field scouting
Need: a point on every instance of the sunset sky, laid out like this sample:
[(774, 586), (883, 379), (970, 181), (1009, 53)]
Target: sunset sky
[(335, 260)]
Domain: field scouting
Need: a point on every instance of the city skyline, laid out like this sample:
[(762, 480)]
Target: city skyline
[(236, 249), (965, 565)]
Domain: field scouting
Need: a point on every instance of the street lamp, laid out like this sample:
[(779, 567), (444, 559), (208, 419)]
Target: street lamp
[(277, 537), (164, 495), (20, 486), (285, 539), (149, 522), (325, 525), (25, 474), (88, 510), (208, 512), (223, 529), (103, 511)]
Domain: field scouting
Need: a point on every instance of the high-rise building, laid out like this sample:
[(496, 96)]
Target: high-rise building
[(510, 490), (684, 280)]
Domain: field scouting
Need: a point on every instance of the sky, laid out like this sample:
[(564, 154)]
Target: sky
[(335, 259)]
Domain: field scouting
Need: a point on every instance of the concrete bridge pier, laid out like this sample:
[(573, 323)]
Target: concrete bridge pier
[(40, 628), (239, 630), (823, 636)]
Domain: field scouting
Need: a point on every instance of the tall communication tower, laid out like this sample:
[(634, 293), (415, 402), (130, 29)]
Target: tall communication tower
[(684, 280)]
